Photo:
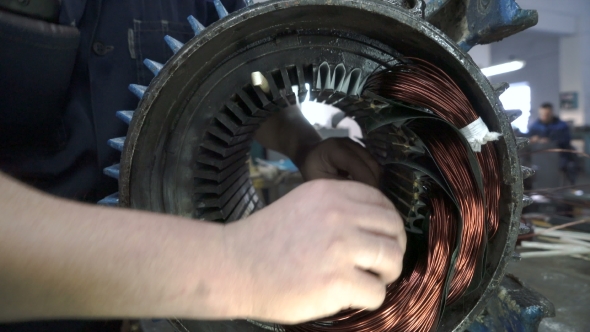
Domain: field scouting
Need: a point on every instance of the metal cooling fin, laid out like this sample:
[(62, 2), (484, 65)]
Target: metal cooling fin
[(138, 90), (513, 115), (174, 44), (195, 25), (524, 229), (522, 142), (221, 11), (500, 88), (117, 143), (153, 66), (112, 171), (526, 201), (111, 200), (125, 116), (527, 172)]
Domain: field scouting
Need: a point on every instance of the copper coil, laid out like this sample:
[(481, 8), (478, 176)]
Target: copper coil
[(423, 84), (488, 161), (451, 157), (413, 302)]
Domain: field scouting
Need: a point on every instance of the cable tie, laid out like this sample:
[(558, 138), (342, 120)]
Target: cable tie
[(478, 134)]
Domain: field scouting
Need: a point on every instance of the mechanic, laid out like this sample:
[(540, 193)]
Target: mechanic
[(325, 246), (550, 128)]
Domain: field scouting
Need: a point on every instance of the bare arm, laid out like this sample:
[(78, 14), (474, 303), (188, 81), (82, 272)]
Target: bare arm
[(61, 259)]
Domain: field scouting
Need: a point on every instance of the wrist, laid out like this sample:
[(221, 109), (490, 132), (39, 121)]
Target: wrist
[(235, 298), (212, 283)]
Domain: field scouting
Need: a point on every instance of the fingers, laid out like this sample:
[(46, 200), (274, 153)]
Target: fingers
[(349, 190), (381, 222), (364, 206), (341, 154), (344, 158), (366, 157), (381, 255), (369, 291)]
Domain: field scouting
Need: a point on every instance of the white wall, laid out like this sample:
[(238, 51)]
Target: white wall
[(541, 53), (482, 55), (575, 70)]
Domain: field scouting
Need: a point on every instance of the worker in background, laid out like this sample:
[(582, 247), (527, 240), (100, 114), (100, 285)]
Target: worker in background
[(549, 128), (326, 246)]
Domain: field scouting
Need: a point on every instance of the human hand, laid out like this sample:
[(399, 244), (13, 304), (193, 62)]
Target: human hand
[(324, 247), (339, 158), (534, 139)]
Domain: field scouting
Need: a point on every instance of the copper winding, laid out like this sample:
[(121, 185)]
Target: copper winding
[(413, 302), (423, 84), (450, 155)]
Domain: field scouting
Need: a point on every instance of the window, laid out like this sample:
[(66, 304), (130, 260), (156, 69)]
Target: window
[(518, 97)]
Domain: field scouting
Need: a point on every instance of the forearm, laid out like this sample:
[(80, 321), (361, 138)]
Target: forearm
[(62, 259), (288, 132)]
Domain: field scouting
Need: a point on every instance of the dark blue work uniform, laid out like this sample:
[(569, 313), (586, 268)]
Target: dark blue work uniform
[(67, 160), (115, 37), (556, 131)]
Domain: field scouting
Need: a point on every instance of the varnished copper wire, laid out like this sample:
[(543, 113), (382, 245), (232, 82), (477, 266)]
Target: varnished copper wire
[(413, 301), (423, 84), (451, 157), (488, 162)]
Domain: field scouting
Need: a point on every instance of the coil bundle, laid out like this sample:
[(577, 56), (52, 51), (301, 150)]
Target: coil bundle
[(441, 172)]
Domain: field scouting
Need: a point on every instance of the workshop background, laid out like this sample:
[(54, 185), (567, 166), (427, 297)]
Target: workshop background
[(555, 60)]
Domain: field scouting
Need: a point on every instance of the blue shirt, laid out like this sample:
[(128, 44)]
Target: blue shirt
[(556, 131), (116, 36)]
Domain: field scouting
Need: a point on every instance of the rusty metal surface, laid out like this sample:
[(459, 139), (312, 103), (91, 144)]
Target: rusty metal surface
[(515, 308), (472, 22)]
